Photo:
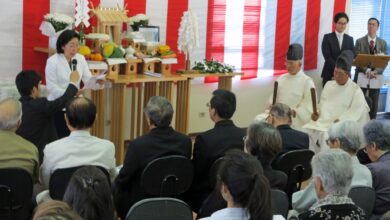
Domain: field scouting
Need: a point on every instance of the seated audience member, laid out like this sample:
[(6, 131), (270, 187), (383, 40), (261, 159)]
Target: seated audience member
[(264, 142), (377, 136), (162, 140), (89, 194), (55, 210), (347, 136), (15, 151), (37, 121), (280, 118), (243, 186), (332, 176), (79, 148), (212, 144), (341, 99)]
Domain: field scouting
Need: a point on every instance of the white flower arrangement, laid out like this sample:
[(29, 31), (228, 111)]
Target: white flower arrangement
[(139, 18), (59, 21), (53, 24)]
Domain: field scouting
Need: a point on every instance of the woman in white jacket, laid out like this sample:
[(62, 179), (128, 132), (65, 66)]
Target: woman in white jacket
[(58, 69)]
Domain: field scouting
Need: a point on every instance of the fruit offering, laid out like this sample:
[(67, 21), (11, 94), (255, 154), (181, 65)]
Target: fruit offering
[(166, 52)]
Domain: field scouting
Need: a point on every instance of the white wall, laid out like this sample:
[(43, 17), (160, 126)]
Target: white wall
[(251, 97)]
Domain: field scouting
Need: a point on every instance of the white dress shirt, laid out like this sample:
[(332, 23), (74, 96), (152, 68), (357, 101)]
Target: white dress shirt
[(370, 39), (234, 214), (340, 37), (78, 149)]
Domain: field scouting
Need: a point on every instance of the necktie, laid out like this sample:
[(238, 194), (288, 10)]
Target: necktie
[(372, 47)]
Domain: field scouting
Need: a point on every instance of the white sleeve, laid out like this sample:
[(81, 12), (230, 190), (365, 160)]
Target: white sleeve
[(358, 108), (305, 107), (45, 171), (53, 88), (84, 69)]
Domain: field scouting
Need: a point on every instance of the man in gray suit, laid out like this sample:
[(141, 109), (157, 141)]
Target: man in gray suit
[(371, 44)]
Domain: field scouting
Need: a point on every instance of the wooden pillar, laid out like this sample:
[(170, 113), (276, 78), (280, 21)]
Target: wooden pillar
[(225, 82), (182, 106), (118, 96), (165, 89), (98, 97), (139, 110), (150, 90)]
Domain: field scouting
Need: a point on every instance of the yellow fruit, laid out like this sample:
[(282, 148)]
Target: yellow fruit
[(84, 50), (163, 49), (108, 50)]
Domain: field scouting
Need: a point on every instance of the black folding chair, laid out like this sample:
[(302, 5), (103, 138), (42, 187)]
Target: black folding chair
[(213, 172), (160, 209), (296, 164), (363, 197), (16, 189), (167, 176), (280, 202), (59, 180)]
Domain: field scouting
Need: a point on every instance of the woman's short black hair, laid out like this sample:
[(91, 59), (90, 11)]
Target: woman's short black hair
[(64, 38), (340, 15), (26, 80)]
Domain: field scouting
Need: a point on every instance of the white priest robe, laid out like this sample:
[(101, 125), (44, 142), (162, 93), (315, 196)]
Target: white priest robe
[(337, 103), (294, 91)]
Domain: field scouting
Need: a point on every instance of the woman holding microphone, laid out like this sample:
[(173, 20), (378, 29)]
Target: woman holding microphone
[(60, 66)]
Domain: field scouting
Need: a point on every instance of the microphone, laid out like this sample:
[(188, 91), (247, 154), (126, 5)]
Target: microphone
[(74, 64)]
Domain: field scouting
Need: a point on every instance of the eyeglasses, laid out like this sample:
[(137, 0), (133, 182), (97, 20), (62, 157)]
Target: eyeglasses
[(330, 141), (342, 23), (365, 149), (72, 45), (269, 116)]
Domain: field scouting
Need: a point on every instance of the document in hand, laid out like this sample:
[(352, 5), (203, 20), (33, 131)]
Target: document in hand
[(92, 82), (375, 83)]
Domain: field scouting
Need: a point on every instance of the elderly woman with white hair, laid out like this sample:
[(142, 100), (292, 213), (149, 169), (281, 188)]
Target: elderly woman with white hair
[(347, 136), (332, 176), (377, 136)]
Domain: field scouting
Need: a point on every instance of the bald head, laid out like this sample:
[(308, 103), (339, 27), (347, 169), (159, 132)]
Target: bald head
[(81, 113), (10, 114)]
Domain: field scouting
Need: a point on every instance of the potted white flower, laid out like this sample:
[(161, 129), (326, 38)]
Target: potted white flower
[(53, 24), (138, 20)]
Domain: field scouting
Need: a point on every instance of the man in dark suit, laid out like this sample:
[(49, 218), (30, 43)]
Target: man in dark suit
[(162, 140), (371, 44), (212, 144), (37, 120), (280, 118), (332, 45)]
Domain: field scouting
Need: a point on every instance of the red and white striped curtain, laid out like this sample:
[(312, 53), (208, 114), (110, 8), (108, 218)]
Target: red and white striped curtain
[(252, 35)]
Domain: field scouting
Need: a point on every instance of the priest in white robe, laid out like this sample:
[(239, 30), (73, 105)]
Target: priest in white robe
[(294, 89), (341, 100)]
